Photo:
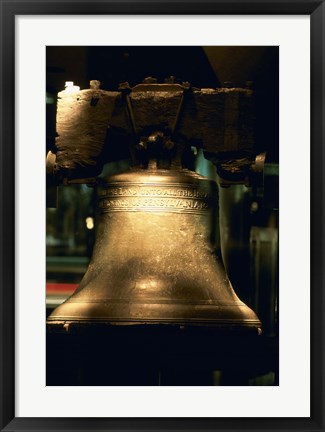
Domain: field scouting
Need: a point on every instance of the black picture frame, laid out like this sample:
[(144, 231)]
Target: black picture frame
[(8, 10)]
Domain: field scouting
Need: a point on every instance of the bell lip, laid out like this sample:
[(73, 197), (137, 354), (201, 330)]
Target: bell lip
[(94, 327), (155, 312), (57, 321), (172, 312)]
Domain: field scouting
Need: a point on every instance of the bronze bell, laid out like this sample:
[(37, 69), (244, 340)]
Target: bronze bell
[(155, 260)]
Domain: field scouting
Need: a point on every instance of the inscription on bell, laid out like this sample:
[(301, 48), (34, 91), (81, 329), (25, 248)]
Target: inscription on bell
[(144, 198), (153, 191), (152, 203)]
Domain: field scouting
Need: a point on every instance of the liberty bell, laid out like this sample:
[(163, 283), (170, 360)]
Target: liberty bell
[(156, 258)]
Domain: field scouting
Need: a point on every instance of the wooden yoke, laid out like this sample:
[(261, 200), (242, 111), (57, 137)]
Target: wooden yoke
[(160, 122)]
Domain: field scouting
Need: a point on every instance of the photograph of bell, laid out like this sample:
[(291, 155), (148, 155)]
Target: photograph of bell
[(162, 216)]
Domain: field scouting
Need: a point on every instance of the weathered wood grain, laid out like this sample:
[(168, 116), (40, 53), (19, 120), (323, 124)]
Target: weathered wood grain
[(81, 125), (155, 109), (221, 121)]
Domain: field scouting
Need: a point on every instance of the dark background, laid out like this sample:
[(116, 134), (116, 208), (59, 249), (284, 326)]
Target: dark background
[(248, 216)]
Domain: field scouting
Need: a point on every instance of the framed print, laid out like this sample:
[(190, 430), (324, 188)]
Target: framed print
[(148, 105)]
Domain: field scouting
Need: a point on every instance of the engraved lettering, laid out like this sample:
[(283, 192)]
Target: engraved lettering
[(154, 198), (153, 191)]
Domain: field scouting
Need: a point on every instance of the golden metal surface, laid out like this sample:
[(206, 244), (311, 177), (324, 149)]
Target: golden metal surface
[(155, 258)]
